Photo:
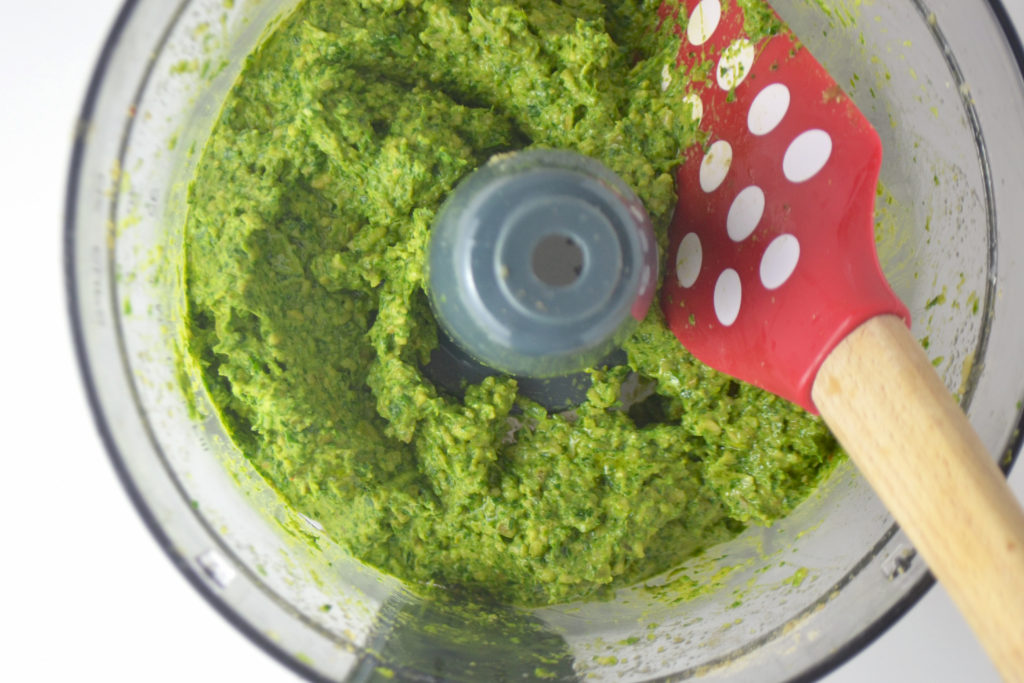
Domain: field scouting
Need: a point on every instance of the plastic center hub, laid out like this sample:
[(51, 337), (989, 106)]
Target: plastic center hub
[(541, 263)]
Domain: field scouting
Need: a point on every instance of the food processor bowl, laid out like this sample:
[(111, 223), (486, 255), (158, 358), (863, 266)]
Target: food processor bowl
[(941, 80)]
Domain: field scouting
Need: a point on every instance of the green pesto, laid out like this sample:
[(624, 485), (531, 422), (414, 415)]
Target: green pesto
[(306, 312)]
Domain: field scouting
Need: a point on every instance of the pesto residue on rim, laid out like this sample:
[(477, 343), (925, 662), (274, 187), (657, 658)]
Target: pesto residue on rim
[(306, 312)]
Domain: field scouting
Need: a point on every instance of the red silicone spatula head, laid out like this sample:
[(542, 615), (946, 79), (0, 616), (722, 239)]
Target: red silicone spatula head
[(773, 278), (771, 250)]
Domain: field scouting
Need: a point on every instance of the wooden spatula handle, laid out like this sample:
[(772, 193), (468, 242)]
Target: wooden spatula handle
[(881, 397)]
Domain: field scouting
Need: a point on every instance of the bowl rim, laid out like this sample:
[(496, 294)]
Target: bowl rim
[(840, 656), (72, 298)]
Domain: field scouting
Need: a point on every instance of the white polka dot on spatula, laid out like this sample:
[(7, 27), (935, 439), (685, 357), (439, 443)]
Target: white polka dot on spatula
[(806, 155), (696, 106), (768, 109), (745, 213), (735, 63), (703, 21), (689, 258), (728, 295), (666, 77), (715, 165), (779, 261)]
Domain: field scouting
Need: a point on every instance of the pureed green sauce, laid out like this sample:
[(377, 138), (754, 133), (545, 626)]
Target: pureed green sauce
[(305, 251)]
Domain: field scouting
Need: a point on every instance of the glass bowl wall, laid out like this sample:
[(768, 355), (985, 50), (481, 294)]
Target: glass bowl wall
[(942, 83)]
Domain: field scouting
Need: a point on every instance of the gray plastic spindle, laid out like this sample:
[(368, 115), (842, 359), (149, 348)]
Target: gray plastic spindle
[(541, 263)]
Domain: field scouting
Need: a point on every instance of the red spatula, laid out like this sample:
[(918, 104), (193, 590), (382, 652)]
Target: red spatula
[(773, 278)]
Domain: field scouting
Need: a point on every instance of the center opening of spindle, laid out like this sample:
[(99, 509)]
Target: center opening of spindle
[(557, 260)]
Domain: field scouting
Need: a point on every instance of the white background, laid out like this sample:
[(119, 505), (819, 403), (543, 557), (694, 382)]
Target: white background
[(87, 594)]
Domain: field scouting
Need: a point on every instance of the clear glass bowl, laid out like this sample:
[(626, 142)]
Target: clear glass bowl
[(942, 82)]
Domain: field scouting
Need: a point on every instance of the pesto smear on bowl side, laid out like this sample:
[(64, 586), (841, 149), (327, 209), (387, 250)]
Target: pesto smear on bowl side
[(308, 221)]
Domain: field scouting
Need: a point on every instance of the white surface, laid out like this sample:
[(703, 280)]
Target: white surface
[(87, 594)]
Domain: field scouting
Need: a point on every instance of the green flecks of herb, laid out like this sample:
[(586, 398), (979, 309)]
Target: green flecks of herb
[(936, 300), (185, 66), (973, 302), (937, 361), (759, 20), (1007, 459), (798, 577)]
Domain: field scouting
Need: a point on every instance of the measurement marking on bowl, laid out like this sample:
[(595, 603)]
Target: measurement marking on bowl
[(216, 568)]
